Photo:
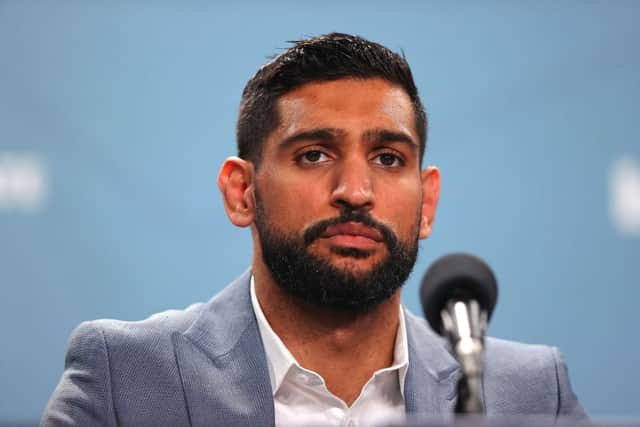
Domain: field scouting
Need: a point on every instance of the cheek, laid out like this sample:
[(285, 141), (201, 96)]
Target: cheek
[(290, 203), (401, 203)]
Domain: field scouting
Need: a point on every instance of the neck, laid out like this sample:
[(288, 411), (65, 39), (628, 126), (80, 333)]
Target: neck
[(331, 342)]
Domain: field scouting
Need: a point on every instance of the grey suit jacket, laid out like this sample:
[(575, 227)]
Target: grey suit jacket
[(206, 365)]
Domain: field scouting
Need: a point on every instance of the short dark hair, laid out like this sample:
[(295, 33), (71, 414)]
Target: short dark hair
[(328, 57)]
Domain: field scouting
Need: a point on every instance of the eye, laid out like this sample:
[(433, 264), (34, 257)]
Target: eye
[(313, 157), (388, 160)]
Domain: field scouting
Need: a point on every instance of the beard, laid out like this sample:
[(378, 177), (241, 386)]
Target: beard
[(316, 281)]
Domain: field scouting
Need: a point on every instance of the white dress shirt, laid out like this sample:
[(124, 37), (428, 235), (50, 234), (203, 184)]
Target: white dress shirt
[(301, 396)]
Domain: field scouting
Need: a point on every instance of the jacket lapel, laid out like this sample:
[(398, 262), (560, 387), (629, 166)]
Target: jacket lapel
[(222, 363), (430, 384)]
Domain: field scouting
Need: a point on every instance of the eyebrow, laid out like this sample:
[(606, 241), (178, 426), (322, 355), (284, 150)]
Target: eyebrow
[(317, 135), (386, 136), (375, 136)]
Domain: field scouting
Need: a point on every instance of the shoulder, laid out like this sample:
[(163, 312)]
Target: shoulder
[(502, 357), (121, 370), (511, 364), (530, 363), (120, 333), (519, 358), (527, 378), (519, 378), (153, 336), (129, 351)]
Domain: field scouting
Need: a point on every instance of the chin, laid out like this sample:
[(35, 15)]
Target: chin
[(355, 266)]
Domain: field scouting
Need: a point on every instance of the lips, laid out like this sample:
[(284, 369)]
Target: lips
[(352, 232)]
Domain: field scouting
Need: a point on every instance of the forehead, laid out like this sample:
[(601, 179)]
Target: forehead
[(350, 104)]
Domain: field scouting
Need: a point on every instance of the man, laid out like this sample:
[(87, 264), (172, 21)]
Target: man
[(331, 135)]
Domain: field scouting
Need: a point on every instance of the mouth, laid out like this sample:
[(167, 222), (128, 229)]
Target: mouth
[(352, 235)]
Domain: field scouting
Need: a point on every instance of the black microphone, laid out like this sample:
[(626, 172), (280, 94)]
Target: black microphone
[(458, 295)]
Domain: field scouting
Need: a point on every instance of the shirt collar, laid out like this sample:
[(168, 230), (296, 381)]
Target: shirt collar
[(280, 360)]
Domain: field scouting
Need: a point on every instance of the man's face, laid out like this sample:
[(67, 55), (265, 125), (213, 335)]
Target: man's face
[(339, 192)]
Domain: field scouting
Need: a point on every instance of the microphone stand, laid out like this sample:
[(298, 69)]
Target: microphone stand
[(465, 324)]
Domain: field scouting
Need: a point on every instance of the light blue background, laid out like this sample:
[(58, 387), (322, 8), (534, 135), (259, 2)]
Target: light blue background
[(132, 105)]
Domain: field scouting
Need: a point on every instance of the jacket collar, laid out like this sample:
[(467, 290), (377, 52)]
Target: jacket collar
[(222, 363), (224, 319), (430, 385)]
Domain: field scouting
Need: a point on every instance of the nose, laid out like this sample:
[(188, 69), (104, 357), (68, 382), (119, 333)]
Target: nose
[(353, 185)]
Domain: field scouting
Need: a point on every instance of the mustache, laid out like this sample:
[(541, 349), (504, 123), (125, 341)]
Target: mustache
[(316, 230)]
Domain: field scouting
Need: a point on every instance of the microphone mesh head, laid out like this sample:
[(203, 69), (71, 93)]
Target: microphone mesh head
[(457, 276)]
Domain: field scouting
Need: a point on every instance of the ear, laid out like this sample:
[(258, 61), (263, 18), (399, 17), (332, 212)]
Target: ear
[(235, 182), (430, 196)]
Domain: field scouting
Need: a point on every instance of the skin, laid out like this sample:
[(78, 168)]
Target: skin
[(345, 142)]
